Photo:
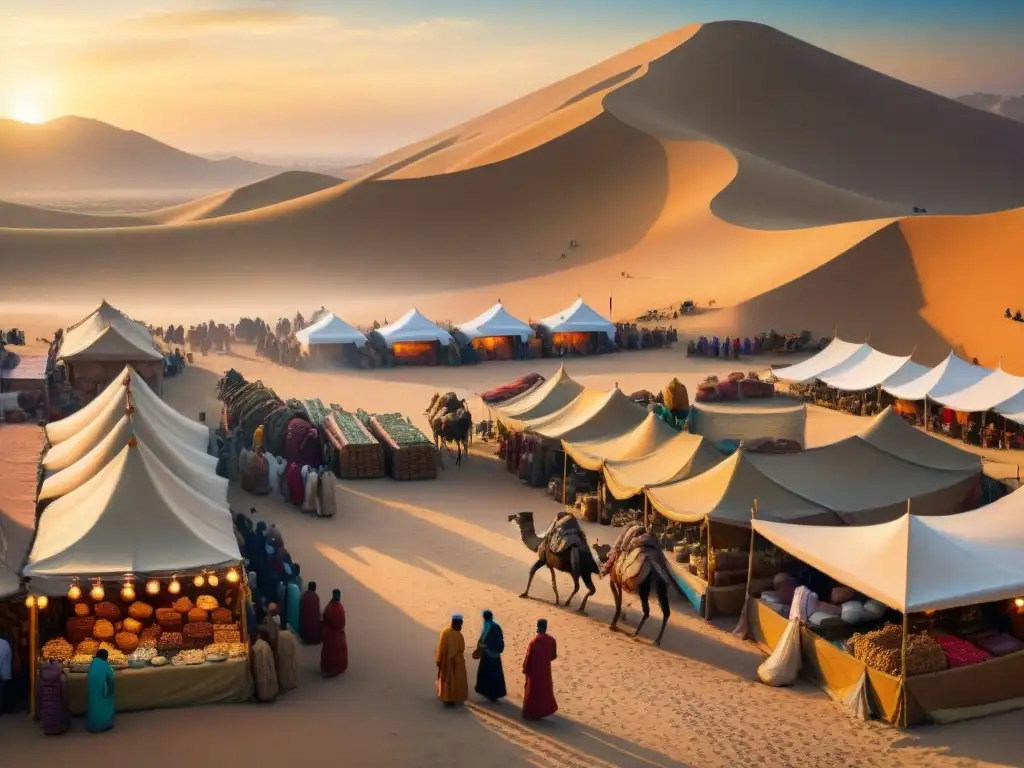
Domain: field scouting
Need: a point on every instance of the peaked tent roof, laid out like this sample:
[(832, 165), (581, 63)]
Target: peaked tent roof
[(64, 429), (683, 456), (916, 563), (330, 329), (594, 415), (725, 493), (940, 383), (579, 318), (196, 468), (101, 529), (107, 334), (649, 435), (551, 396), (890, 433), (496, 321), (412, 326), (836, 353), (858, 373), (993, 390)]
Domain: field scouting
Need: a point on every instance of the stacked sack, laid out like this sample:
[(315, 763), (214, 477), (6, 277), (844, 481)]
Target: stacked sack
[(881, 650)]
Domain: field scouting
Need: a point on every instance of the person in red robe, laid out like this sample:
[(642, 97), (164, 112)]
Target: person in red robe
[(539, 699), (310, 629), (334, 653)]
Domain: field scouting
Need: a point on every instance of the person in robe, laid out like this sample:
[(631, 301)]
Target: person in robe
[(271, 626), (251, 622), (257, 437), (292, 597), (99, 713), (287, 661), (539, 699), (52, 695), (490, 676), (310, 629), (334, 653), (264, 672), (452, 680)]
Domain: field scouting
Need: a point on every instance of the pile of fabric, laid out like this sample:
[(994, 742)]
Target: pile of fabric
[(512, 389), (563, 533)]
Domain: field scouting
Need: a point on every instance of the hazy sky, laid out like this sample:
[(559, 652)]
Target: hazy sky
[(359, 77)]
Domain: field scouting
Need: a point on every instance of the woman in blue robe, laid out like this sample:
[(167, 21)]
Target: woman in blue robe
[(490, 676), (292, 598), (99, 716)]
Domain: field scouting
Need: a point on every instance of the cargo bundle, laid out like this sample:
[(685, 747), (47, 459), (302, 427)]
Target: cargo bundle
[(411, 455), (357, 453)]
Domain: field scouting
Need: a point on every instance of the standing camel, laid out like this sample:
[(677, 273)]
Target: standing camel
[(563, 548), (636, 564), (451, 423)]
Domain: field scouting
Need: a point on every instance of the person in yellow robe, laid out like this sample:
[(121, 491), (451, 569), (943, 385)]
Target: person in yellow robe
[(452, 681)]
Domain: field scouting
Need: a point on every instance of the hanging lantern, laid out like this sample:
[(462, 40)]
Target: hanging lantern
[(97, 592), (30, 601), (152, 587), (1019, 602), (42, 601), (213, 580), (198, 580), (232, 576), (74, 591), (175, 586), (128, 591)]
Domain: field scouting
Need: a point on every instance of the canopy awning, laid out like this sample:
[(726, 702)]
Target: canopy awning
[(917, 563), (836, 353), (496, 321), (594, 415), (683, 456), (941, 383), (890, 433), (413, 327), (551, 396), (859, 373), (579, 318), (330, 329), (645, 438), (19, 457)]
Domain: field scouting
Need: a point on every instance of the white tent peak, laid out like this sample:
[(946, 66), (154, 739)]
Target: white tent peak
[(496, 321), (579, 318), (413, 326), (330, 329)]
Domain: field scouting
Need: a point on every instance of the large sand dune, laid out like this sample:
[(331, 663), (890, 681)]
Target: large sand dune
[(755, 187)]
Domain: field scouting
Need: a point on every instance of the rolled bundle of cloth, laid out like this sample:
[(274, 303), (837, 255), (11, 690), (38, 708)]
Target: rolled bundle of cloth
[(255, 472)]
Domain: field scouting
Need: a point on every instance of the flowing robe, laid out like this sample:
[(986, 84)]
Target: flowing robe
[(452, 681), (99, 715), (334, 653), (310, 629), (490, 676), (539, 699)]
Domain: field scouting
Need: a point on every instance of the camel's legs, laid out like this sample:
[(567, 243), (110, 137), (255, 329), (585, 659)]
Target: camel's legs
[(554, 583), (591, 590), (666, 611), (617, 594), (440, 449), (574, 569), (533, 572), (644, 590)]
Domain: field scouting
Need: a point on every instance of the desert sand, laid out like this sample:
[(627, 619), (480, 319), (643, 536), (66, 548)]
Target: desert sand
[(406, 555), (785, 197)]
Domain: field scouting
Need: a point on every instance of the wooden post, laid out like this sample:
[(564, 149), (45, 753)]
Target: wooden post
[(565, 472), (647, 513), (750, 562), (903, 669), (33, 658), (926, 413), (707, 590)]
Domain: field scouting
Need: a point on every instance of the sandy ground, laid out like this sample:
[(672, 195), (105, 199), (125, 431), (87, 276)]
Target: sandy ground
[(406, 555)]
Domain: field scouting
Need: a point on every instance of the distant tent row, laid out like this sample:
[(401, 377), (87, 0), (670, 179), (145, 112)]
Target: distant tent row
[(953, 383)]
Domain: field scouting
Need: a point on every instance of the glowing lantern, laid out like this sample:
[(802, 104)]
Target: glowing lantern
[(199, 580), (213, 580), (152, 587), (30, 601), (42, 601), (128, 591), (97, 592), (174, 587), (1019, 602), (74, 591), (233, 576)]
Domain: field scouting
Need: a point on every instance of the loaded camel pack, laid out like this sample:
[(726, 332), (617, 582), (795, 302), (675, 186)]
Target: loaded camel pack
[(451, 424), (563, 547)]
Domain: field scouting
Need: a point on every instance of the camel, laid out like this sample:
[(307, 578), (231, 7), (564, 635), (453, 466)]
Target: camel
[(576, 559), (636, 564), (451, 423)]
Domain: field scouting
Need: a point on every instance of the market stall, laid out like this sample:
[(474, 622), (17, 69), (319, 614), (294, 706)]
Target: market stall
[(931, 621), (329, 339), (496, 334), (579, 329), (537, 403), (414, 340)]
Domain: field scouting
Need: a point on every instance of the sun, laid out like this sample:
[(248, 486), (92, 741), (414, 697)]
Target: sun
[(26, 102), (27, 112)]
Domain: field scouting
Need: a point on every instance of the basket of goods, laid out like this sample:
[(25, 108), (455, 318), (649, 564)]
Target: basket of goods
[(226, 635), (358, 454), (216, 652), (198, 614), (79, 628), (132, 625), (107, 611), (141, 657), (675, 396), (182, 605), (169, 618), (413, 455), (58, 649), (207, 602), (960, 652), (81, 662), (189, 658), (117, 660), (149, 636), (169, 642), (87, 647), (140, 611), (221, 616), (924, 655), (198, 634), (126, 641), (108, 647), (103, 630), (158, 661), (81, 609), (237, 650)]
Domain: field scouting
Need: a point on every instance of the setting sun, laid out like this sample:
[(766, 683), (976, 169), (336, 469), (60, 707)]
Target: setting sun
[(26, 102)]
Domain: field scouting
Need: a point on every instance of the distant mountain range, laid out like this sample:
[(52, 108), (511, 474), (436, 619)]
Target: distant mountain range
[(1007, 106), (73, 154)]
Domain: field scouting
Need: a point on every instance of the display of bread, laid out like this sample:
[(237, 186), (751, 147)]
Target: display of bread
[(87, 647), (189, 658), (207, 602), (140, 611), (198, 614), (58, 649), (221, 616), (103, 629), (81, 609), (132, 625), (108, 611), (182, 605), (158, 661)]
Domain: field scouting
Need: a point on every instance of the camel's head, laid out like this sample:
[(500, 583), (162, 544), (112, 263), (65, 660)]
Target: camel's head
[(523, 519), (602, 551)]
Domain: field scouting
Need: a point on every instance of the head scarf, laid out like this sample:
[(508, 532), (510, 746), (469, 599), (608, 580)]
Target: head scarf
[(488, 623), (311, 587), (542, 626), (336, 596)]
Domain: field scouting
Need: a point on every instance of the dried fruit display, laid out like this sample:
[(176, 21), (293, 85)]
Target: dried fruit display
[(108, 611), (189, 658), (140, 611), (198, 614), (227, 636), (118, 660), (207, 602), (170, 641), (87, 647), (182, 605), (132, 625), (103, 629), (81, 609), (79, 628), (81, 662), (58, 649), (169, 618), (158, 661), (237, 650), (221, 616), (127, 642)]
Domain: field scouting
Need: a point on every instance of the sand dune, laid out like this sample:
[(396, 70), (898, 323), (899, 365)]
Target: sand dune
[(20, 216), (751, 187)]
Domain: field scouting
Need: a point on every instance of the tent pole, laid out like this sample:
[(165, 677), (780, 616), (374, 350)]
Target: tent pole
[(565, 472), (926, 413), (33, 656), (647, 513), (707, 589), (903, 668), (750, 561)]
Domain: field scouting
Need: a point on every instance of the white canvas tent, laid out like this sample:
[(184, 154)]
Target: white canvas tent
[(330, 329), (551, 396), (860, 373), (919, 563), (890, 433), (414, 327), (594, 415), (134, 516), (986, 393), (579, 318), (836, 353), (943, 382), (107, 334), (645, 438), (495, 322), (683, 456)]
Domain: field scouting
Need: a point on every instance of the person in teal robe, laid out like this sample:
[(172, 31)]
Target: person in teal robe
[(292, 599), (99, 715)]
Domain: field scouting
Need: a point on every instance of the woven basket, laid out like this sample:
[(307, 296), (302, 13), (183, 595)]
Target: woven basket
[(207, 602), (169, 618), (132, 625), (140, 611), (182, 605), (103, 629), (126, 642), (79, 628), (81, 609), (198, 615), (221, 616), (107, 611)]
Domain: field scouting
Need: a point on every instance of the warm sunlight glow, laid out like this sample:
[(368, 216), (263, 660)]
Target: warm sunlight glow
[(26, 102)]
